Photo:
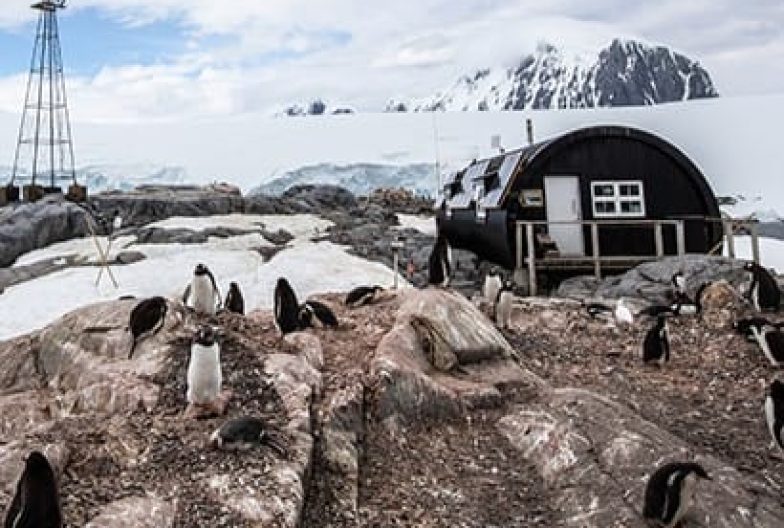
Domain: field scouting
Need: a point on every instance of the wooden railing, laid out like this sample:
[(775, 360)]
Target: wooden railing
[(528, 262)]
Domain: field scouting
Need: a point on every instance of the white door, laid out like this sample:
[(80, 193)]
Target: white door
[(562, 195)]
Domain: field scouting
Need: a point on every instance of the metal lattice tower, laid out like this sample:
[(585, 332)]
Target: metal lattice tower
[(44, 152)]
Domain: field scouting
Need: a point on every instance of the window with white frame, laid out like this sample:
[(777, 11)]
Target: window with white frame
[(612, 199)]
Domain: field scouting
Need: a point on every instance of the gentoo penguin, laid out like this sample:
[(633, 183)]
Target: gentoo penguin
[(622, 313), (683, 305), (202, 291), (204, 369), (286, 307), (503, 306), (771, 341), (438, 265), (492, 286), (656, 345), (36, 503), (774, 412), (244, 433), (234, 301), (764, 292), (669, 494), (596, 309), (316, 312), (362, 295), (744, 326), (147, 316)]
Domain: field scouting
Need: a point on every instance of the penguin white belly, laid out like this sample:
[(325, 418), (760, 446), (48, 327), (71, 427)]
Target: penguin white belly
[(770, 418), (503, 313), (491, 288), (686, 499), (203, 295), (763, 344), (204, 374)]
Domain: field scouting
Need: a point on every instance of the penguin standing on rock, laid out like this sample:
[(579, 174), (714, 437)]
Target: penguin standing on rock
[(774, 412), (670, 492), (286, 307), (204, 368), (439, 267), (147, 316), (764, 292), (315, 312), (492, 285), (202, 291), (244, 433), (234, 301), (503, 306), (656, 345), (36, 503), (362, 295), (771, 341)]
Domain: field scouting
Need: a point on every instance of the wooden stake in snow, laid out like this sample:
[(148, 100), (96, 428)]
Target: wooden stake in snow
[(102, 256)]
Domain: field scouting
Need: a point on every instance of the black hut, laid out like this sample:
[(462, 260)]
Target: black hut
[(621, 177)]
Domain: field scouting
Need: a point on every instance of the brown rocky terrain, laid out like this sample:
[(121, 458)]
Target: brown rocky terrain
[(554, 423)]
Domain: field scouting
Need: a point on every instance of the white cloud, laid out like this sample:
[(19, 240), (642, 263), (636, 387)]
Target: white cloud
[(271, 52)]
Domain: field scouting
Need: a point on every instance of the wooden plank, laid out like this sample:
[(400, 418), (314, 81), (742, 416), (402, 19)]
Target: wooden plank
[(755, 250), (519, 233), (680, 238), (529, 239), (729, 237), (597, 263), (657, 236)]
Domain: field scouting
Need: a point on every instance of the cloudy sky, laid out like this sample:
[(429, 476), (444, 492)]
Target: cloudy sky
[(170, 59)]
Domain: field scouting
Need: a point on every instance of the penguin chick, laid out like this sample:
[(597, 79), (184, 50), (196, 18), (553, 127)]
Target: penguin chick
[(316, 312), (286, 307), (244, 433), (670, 492), (774, 412), (234, 301), (503, 307), (147, 316), (362, 295), (204, 368), (656, 345), (36, 503)]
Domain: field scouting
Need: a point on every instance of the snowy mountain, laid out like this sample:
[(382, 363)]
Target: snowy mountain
[(121, 177), (360, 178), (626, 73)]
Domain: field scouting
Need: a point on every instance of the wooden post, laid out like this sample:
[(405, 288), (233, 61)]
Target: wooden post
[(597, 263), (529, 239), (680, 238), (657, 237), (755, 250), (729, 236), (519, 241)]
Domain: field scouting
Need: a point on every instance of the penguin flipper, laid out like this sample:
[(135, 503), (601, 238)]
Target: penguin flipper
[(133, 347), (186, 294)]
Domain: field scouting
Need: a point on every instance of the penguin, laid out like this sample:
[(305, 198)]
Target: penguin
[(744, 326), (203, 291), (683, 305), (234, 301), (656, 345), (286, 307), (679, 282), (503, 306), (36, 503), (655, 310), (362, 295), (438, 264), (774, 412), (669, 494), (764, 292), (492, 286), (596, 309), (147, 316), (622, 313), (244, 433), (771, 341), (204, 368), (324, 316)]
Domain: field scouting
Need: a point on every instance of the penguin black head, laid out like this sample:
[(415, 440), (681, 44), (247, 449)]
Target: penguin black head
[(508, 286), (205, 336), (36, 461), (777, 390), (201, 269), (233, 286), (749, 266), (493, 271)]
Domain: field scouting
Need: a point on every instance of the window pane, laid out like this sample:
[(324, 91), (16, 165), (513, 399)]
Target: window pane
[(603, 190), (605, 207), (631, 207), (630, 190)]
